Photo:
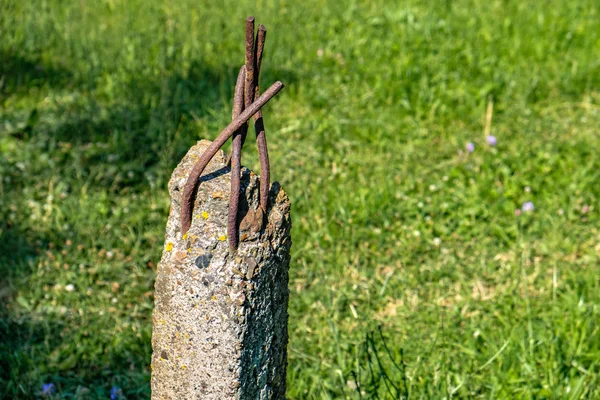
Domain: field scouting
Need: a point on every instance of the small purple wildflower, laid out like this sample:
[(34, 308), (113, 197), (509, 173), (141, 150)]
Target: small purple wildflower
[(114, 393), (491, 139), (585, 209), (470, 147), (528, 206), (47, 389)]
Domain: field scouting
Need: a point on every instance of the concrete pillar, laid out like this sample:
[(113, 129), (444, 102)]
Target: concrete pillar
[(220, 318)]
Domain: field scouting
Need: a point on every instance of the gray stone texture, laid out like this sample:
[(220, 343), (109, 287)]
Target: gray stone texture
[(220, 318)]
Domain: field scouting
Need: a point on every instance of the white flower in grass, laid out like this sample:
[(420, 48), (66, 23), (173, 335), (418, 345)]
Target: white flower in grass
[(70, 287), (528, 206)]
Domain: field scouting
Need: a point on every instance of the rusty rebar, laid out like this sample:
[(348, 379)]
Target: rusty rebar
[(250, 64), (263, 155), (253, 57), (259, 47), (236, 161), (191, 185), (259, 125), (246, 96)]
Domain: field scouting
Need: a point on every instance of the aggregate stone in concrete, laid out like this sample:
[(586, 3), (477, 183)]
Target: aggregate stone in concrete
[(220, 318)]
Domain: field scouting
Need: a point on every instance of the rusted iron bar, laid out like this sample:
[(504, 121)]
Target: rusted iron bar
[(191, 185), (236, 161), (250, 64), (254, 51), (259, 125), (265, 168), (259, 47), (261, 36)]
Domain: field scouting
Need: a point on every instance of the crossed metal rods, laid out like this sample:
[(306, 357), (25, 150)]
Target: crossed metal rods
[(246, 103)]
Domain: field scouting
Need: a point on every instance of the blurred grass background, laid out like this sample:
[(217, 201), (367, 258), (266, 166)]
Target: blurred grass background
[(411, 275)]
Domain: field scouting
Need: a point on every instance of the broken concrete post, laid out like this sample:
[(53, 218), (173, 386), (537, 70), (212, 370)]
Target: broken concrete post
[(220, 318)]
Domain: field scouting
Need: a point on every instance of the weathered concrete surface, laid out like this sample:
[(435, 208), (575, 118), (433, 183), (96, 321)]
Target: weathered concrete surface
[(220, 319)]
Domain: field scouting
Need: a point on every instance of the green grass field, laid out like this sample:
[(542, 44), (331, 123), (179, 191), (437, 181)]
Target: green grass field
[(411, 274)]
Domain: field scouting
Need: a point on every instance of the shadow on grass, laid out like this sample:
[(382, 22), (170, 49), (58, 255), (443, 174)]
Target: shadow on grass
[(385, 369), (20, 73), (42, 342), (25, 339), (16, 335)]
